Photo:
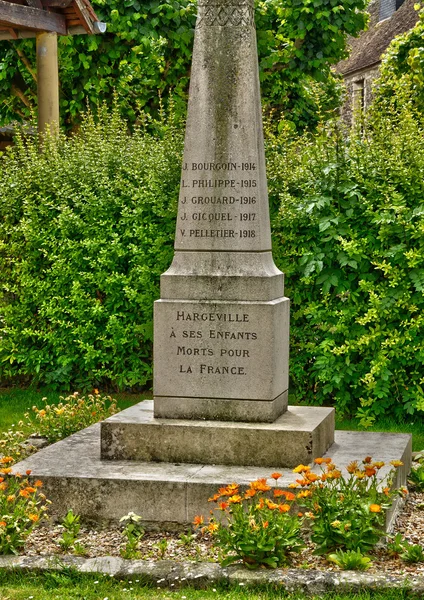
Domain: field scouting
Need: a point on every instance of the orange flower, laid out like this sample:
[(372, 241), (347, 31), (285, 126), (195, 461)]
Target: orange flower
[(312, 477), (212, 527), (386, 491), (301, 469), (3, 523), (378, 464), (6, 470), (396, 463), (236, 499), (214, 498), (271, 505), (229, 490), (223, 505), (375, 508), (287, 495), (38, 483), (24, 493), (250, 493), (30, 489), (198, 520), (33, 518), (318, 461), (352, 467), (11, 498), (42, 413), (330, 467), (299, 514), (276, 476), (1, 479), (96, 391), (284, 508), (265, 524), (369, 472), (28, 472), (3, 486), (18, 475), (303, 482), (5, 460), (260, 485), (367, 460)]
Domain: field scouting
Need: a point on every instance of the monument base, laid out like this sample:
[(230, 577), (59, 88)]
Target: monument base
[(168, 495), (298, 436), (221, 409)]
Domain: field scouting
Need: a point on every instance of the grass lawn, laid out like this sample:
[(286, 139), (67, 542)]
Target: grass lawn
[(68, 585), (15, 402)]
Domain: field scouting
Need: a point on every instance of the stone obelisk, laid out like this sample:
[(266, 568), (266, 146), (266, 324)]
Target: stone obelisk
[(222, 324)]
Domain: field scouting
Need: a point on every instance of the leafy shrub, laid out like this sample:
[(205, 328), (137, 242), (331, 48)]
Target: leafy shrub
[(71, 527), (146, 54), (348, 218), (346, 512), (133, 533), (255, 527), (73, 414), (87, 228), (22, 507)]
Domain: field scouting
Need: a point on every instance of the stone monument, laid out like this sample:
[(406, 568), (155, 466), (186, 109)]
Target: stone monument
[(220, 410), (222, 323)]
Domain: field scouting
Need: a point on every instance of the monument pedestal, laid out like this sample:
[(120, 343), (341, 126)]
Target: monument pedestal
[(298, 436)]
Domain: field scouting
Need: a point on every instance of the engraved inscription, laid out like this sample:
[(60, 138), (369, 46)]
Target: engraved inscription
[(233, 15), (213, 343), (217, 190)]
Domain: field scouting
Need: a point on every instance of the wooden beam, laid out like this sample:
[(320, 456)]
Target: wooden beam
[(56, 3), (35, 4), (85, 17), (16, 15)]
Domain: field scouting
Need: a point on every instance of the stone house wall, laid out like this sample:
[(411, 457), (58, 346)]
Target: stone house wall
[(358, 91)]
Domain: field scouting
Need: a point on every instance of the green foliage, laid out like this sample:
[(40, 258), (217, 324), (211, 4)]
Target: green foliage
[(351, 560), (348, 222), (22, 507), (416, 477), (73, 414), (254, 528), (146, 53), (413, 553), (402, 69), (71, 527), (133, 533), (346, 512), (87, 228)]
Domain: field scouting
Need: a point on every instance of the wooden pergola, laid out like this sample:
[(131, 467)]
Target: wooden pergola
[(45, 20)]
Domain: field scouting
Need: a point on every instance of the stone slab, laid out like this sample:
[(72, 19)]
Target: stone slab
[(220, 350), (298, 436), (170, 495), (176, 575)]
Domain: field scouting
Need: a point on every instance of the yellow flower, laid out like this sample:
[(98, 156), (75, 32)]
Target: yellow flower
[(335, 523), (212, 527), (396, 463), (5, 460), (11, 498), (236, 499), (301, 469), (293, 485), (6, 470), (352, 467), (271, 505), (304, 494), (378, 464), (375, 508)]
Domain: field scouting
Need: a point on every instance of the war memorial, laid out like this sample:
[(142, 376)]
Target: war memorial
[(220, 410)]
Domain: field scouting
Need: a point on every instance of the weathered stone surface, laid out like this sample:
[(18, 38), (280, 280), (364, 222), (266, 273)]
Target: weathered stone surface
[(222, 324), (170, 495), (175, 575), (299, 435), (223, 351)]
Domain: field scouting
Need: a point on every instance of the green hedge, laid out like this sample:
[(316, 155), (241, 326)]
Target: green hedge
[(349, 234), (88, 227), (86, 230)]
